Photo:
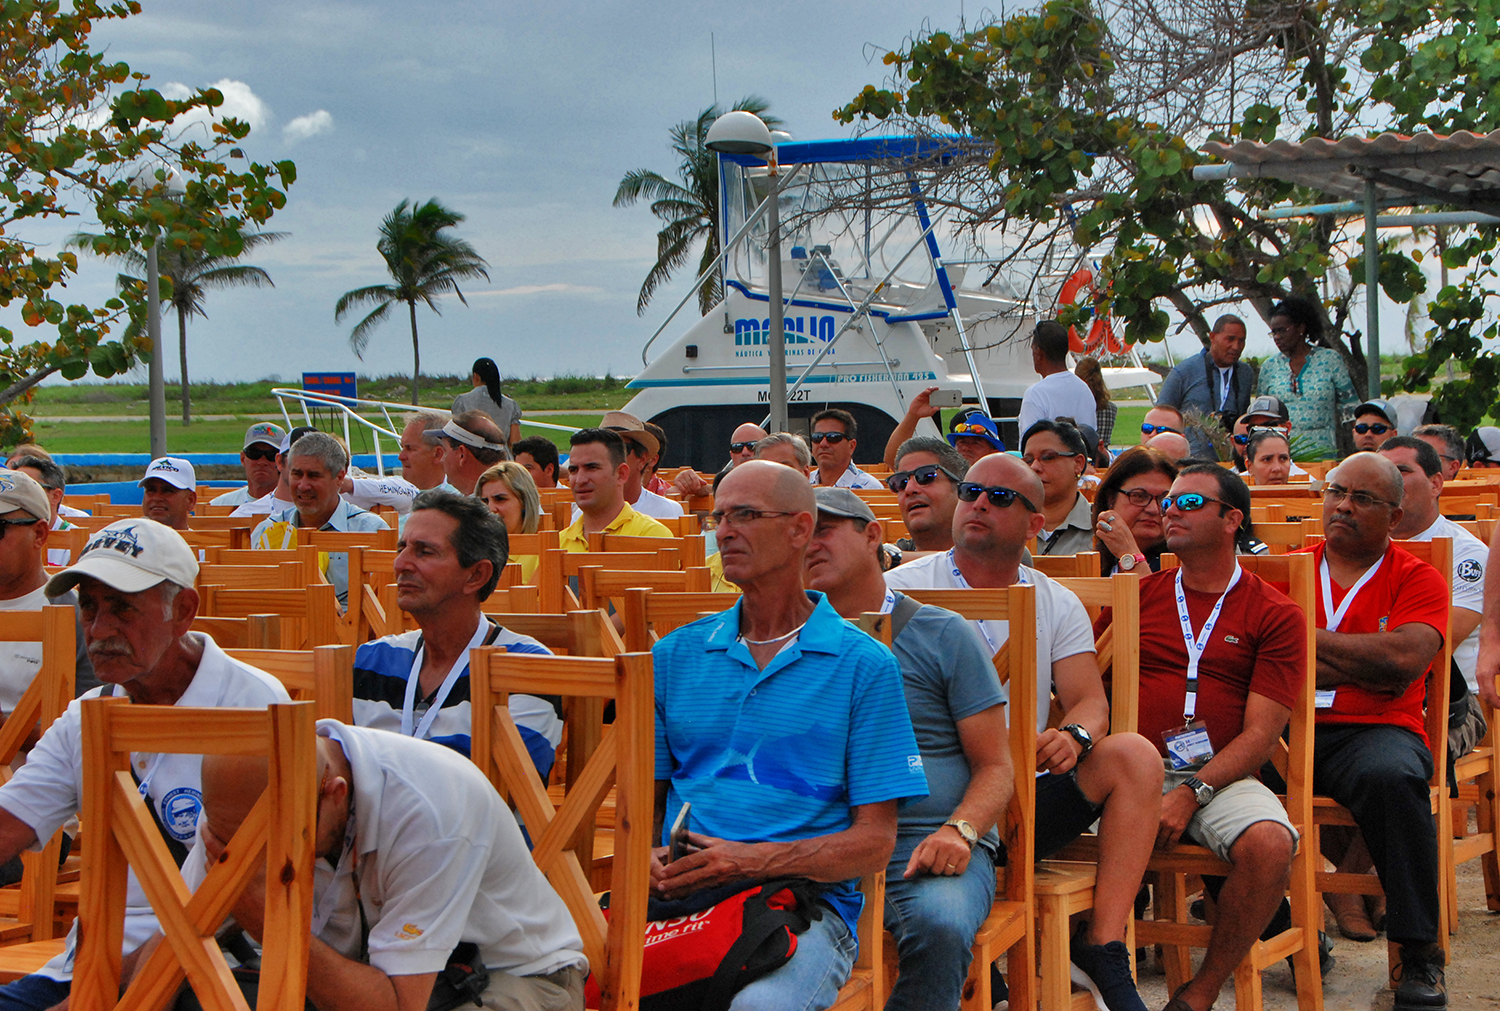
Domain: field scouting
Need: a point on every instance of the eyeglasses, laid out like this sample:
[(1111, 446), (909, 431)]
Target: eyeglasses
[(1000, 498), (259, 451), (1243, 440), (1191, 502), (924, 476), (1277, 331), (15, 523), (740, 516), (1046, 457), (1158, 429), (834, 438), (742, 447), (1138, 497), (1377, 428), (1362, 500)]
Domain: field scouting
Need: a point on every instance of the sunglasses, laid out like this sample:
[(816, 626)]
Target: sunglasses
[(4, 524), (1378, 429), (259, 451), (742, 447), (1000, 498), (1244, 440), (923, 475), (1158, 429), (1190, 502), (969, 428), (833, 438)]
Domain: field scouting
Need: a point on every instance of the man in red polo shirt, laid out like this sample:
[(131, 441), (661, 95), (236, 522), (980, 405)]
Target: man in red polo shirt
[(1382, 615), (1223, 657)]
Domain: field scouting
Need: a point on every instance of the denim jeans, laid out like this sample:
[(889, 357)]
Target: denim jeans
[(934, 919), (811, 980), (33, 993)]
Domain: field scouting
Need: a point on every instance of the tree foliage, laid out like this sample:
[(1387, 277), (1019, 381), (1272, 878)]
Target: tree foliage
[(689, 209), (78, 132), (424, 262)]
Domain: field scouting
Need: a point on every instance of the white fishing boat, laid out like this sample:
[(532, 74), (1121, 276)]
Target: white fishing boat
[(874, 312)]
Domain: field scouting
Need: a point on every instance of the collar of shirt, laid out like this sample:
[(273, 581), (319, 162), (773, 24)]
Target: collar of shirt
[(367, 785), (339, 521), (1081, 516), (821, 633)]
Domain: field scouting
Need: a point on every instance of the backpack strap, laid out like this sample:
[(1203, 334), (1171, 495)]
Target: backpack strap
[(761, 922), (905, 608)]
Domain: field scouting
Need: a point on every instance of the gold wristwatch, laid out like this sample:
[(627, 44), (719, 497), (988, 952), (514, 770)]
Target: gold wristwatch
[(966, 830)]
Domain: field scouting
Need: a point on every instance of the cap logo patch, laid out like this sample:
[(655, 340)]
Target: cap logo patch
[(122, 540), (7, 484), (164, 465)]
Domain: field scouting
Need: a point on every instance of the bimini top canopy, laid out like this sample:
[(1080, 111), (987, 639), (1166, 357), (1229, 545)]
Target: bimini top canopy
[(862, 149), (1460, 169)]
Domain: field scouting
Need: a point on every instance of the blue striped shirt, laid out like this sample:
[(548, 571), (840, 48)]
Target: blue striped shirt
[(783, 753), (382, 667)]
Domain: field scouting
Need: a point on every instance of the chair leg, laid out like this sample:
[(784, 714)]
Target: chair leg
[(1170, 898), (1489, 862), (1247, 991), (1052, 927), (1020, 975), (976, 993)]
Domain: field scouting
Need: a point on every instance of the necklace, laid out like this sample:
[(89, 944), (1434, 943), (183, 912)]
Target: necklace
[(767, 642)]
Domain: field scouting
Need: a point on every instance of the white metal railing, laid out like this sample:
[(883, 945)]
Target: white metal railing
[(348, 408)]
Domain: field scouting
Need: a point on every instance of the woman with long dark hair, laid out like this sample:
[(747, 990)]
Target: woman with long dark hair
[(486, 396), (1308, 378), (1128, 526)]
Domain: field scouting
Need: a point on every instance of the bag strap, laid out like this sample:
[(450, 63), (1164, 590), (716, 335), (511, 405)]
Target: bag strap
[(905, 608), (760, 923)]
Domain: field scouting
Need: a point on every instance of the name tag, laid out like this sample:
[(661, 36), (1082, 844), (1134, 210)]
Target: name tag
[(1188, 746), (1324, 700)]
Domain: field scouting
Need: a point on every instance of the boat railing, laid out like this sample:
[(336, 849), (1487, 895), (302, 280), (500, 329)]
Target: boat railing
[(354, 415)]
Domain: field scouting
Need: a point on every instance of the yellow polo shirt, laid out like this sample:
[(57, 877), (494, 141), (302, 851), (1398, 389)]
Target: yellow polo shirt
[(718, 584), (629, 523)]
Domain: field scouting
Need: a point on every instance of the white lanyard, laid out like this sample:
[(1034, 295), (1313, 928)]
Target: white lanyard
[(345, 869), (890, 601), (1336, 618), (1226, 377), (1196, 646), (1022, 579), (459, 666), (145, 783)]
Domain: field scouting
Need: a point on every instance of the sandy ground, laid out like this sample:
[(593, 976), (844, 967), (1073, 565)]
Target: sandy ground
[(1357, 981)]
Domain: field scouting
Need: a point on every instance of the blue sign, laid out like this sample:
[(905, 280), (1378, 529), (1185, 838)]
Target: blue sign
[(335, 384)]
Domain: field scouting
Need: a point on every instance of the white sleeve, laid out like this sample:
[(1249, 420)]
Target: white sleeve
[(1030, 413), (1469, 560), (429, 892), (1070, 632), (392, 491), (45, 792)]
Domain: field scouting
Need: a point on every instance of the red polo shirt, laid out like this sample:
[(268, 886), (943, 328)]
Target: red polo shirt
[(1404, 590)]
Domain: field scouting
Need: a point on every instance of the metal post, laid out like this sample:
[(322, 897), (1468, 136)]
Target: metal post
[(158, 386), (1372, 291), (778, 324)]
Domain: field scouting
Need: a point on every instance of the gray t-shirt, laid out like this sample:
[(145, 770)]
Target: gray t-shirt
[(504, 414), (946, 677)]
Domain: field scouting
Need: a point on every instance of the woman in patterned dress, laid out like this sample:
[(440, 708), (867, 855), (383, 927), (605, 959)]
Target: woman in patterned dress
[(1310, 380)]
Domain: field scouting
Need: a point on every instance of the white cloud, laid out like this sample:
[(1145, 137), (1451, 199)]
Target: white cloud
[(535, 289), (240, 102), (307, 126)]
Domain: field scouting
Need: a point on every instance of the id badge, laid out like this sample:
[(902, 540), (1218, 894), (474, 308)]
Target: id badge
[(1188, 746)]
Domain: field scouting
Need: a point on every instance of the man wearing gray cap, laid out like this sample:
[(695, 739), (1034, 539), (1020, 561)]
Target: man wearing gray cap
[(279, 498), (940, 880), (258, 457), (136, 603), (472, 444), (1374, 424)]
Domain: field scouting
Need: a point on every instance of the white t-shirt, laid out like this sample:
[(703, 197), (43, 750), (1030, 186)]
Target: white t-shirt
[(263, 506), (238, 497), (370, 492), (852, 477), (1062, 625), (440, 860), (1469, 558), (47, 790), (67, 510), (60, 556), (1060, 395)]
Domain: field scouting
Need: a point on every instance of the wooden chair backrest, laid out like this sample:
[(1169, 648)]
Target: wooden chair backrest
[(43, 701), (1083, 564), (624, 758), (649, 615), (1480, 506), (597, 586), (577, 633), (1438, 553), (305, 554), (314, 608), (70, 540), (197, 522), (323, 676), (690, 548), (338, 540), (1117, 646), (532, 544), (122, 837), (285, 576), (232, 537), (258, 631), (558, 566)]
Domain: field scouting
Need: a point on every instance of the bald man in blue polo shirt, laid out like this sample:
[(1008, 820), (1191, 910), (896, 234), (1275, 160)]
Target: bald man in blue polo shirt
[(786, 728)]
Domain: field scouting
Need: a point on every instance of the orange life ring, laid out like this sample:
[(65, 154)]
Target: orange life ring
[(1102, 330), (1071, 287)]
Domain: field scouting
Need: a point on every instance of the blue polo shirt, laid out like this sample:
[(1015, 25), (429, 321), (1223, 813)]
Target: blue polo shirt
[(784, 753)]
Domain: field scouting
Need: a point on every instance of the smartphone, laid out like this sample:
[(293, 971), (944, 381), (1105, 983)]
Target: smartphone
[(946, 398), (677, 842)]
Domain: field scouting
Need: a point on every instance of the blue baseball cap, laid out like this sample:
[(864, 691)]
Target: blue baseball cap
[(974, 424)]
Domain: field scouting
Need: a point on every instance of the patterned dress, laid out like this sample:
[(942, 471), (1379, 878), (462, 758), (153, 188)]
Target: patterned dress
[(1320, 398)]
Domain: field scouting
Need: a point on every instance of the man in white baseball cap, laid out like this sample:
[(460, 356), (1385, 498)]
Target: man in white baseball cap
[(136, 603), (171, 491), (258, 457)]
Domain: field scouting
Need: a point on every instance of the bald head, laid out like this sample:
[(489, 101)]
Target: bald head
[(1372, 473), (1171, 445), (744, 436), (781, 488), (1007, 471), (231, 786)]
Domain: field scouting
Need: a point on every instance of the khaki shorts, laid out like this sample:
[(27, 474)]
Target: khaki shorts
[(1234, 809), (558, 991)]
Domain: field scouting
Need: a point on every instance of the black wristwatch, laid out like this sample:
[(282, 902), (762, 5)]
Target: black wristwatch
[(1082, 736), (1202, 792)]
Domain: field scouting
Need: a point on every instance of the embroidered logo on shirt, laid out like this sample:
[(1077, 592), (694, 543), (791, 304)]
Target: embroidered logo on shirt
[(913, 763), (1231, 639), (1383, 621), (409, 932), (1470, 570)]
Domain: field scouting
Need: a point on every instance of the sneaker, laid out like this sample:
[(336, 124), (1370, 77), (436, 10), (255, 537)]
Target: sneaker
[(1104, 970), (1421, 985)]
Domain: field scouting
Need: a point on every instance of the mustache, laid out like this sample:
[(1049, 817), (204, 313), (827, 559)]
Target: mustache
[(109, 647)]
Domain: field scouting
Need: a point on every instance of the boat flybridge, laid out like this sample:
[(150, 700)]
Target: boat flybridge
[(873, 311)]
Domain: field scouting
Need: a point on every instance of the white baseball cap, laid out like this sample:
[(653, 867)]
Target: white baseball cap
[(174, 470), (131, 555)]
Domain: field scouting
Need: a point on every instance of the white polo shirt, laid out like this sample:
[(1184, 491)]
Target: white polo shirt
[(852, 477), (439, 859), (263, 506), (1469, 559), (1059, 395), (1062, 625), (47, 790), (237, 497)]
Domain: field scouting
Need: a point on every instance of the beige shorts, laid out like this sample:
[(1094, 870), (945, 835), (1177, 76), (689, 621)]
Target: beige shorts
[(1234, 809), (559, 991)]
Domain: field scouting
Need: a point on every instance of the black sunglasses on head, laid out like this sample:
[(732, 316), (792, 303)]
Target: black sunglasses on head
[(923, 475), (1000, 498)]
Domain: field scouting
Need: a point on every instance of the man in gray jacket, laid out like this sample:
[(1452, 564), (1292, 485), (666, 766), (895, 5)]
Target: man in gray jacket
[(1213, 381)]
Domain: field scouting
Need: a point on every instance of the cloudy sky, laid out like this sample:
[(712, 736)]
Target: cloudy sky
[(522, 116)]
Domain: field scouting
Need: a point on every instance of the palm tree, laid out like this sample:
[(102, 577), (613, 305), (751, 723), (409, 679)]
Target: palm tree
[(192, 273), (424, 263), (689, 208)]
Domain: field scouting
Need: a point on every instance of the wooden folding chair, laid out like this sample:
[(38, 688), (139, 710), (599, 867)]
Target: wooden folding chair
[(558, 566), (258, 631), (649, 615), (1080, 566), (313, 609), (1476, 777), (124, 837), (690, 548), (285, 576), (1011, 925), (623, 756), (598, 586), (323, 675)]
